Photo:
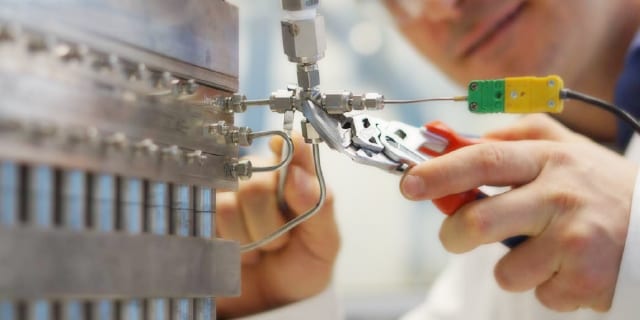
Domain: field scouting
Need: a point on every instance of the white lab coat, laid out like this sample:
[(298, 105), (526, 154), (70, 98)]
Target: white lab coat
[(467, 288)]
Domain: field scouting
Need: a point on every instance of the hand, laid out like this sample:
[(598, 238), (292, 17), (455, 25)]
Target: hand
[(570, 195), (293, 267)]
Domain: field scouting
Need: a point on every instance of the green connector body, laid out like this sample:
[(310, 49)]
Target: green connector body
[(486, 96)]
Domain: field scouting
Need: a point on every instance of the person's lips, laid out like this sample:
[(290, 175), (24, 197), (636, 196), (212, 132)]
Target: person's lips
[(490, 28)]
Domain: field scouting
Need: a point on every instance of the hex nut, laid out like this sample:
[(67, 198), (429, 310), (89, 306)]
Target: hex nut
[(235, 103), (304, 41), (308, 79), (296, 5), (338, 102), (309, 133), (244, 137), (373, 101), (242, 169), (281, 101)]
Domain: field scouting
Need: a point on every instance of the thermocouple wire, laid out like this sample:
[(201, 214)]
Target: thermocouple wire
[(458, 98)]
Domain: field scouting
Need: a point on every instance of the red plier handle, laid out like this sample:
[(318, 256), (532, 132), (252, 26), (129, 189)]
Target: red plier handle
[(450, 204)]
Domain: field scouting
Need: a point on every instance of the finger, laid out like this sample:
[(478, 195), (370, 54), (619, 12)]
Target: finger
[(493, 219), (302, 155), (230, 223), (528, 265), (260, 210), (534, 127), (318, 235), (495, 163), (556, 294)]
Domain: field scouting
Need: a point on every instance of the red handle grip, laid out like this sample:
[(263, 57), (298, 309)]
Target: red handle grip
[(450, 204)]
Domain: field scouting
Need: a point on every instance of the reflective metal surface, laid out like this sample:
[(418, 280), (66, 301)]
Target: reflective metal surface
[(108, 171), (193, 38)]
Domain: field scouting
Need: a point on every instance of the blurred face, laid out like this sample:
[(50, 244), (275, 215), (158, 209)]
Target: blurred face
[(471, 39)]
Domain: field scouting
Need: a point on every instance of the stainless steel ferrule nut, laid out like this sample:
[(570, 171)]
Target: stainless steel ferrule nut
[(304, 40)]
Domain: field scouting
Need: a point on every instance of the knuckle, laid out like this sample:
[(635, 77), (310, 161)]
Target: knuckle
[(491, 157), (564, 200), (476, 224), (560, 157), (576, 241)]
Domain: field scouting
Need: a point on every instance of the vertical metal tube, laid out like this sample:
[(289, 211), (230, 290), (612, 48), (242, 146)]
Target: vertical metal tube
[(40, 211), (182, 215), (73, 209), (103, 211), (9, 211), (158, 202), (131, 210), (204, 220), (7, 310), (9, 188)]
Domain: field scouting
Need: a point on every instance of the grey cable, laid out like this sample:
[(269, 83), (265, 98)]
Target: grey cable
[(300, 219), (286, 156)]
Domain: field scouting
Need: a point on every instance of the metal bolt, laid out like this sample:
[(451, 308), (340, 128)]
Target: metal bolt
[(191, 86), (473, 106), (551, 104), (172, 152), (514, 94), (194, 156), (551, 83), (117, 140), (146, 146), (242, 170), (473, 86)]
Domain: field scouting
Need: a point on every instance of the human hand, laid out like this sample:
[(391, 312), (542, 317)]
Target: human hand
[(293, 267), (570, 195)]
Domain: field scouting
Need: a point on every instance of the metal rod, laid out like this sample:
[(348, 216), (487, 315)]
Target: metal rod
[(72, 200), (182, 215), (103, 210), (263, 102), (9, 189), (204, 221), (40, 212), (158, 219), (131, 195), (299, 219)]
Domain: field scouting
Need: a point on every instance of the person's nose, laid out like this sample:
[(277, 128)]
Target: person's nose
[(439, 10)]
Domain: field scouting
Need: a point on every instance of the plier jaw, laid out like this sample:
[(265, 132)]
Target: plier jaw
[(389, 145)]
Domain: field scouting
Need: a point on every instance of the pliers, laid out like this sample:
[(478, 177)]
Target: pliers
[(393, 146)]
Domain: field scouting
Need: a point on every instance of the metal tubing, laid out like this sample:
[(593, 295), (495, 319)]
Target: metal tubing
[(158, 220), (182, 216), (9, 192), (131, 210), (103, 201), (204, 221), (73, 205), (40, 211), (9, 184)]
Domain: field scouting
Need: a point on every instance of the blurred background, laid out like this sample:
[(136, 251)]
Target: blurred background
[(390, 250)]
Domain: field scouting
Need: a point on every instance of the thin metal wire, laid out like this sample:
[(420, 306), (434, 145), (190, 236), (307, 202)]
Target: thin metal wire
[(263, 102), (300, 219), (286, 159), (458, 98)]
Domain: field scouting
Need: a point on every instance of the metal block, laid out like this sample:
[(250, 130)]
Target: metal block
[(191, 38), (59, 263)]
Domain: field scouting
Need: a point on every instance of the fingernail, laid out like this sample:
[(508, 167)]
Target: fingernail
[(413, 187)]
